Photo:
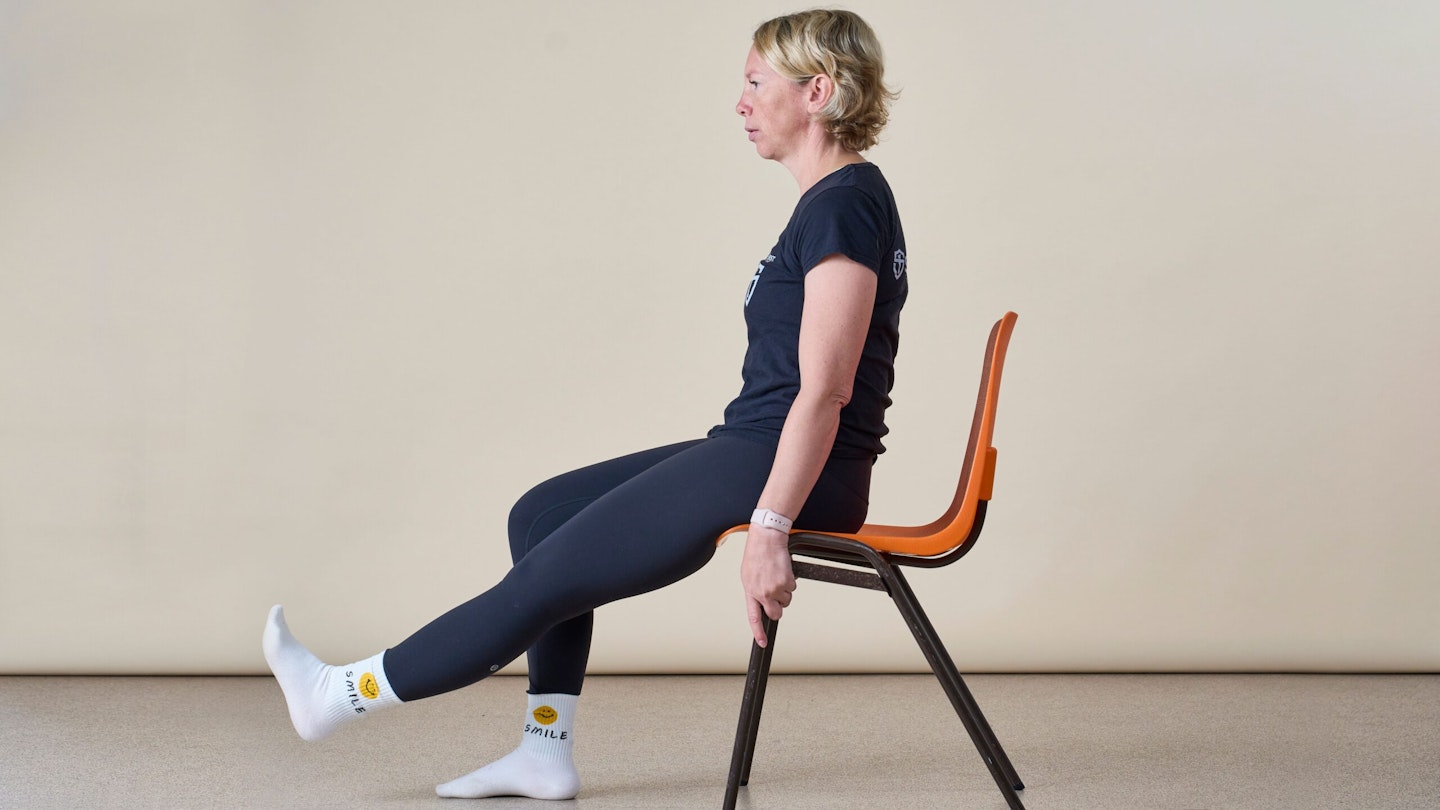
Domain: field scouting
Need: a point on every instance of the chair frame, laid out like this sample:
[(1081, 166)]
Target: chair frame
[(884, 574)]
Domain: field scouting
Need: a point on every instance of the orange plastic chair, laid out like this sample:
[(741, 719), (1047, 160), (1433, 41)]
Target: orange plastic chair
[(881, 549)]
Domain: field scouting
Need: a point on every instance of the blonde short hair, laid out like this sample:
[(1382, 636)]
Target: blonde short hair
[(841, 46)]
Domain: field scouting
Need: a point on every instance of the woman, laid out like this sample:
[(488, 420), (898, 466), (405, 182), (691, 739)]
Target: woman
[(822, 312)]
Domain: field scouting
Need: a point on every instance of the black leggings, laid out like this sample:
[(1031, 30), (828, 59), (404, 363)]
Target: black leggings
[(601, 533)]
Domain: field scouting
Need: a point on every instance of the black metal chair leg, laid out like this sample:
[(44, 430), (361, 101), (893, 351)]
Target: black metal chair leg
[(756, 678), (998, 750), (771, 627), (960, 697), (954, 673), (950, 671)]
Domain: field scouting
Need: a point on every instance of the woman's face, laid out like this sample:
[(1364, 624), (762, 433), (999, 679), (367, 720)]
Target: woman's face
[(774, 110)]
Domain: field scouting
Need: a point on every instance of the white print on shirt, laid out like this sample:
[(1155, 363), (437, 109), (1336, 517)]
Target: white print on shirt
[(759, 268), (899, 263)]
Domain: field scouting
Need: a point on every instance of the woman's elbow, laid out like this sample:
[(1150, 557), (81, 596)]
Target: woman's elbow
[(828, 398)]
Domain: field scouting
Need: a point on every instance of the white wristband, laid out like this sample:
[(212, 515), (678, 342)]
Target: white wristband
[(771, 520)]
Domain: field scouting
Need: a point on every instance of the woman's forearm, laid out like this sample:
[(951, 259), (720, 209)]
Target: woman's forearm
[(805, 444)]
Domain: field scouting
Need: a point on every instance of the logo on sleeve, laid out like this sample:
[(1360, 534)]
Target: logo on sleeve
[(899, 263), (759, 268)]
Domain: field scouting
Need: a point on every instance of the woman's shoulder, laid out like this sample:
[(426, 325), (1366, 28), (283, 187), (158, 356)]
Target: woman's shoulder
[(861, 175), (855, 181), (859, 187)]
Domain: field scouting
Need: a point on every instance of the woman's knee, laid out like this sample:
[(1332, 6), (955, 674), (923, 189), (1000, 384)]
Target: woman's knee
[(539, 512)]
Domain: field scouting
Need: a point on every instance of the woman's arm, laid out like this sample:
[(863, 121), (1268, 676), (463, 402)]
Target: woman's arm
[(839, 298)]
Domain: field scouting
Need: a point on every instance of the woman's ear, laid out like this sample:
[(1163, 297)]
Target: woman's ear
[(818, 92)]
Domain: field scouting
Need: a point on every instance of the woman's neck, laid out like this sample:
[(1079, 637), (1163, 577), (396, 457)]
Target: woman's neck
[(811, 165)]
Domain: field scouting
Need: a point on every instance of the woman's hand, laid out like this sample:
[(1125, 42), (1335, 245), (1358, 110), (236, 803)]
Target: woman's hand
[(767, 576)]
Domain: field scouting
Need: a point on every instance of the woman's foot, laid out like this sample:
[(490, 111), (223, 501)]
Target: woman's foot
[(322, 698), (516, 774), (543, 767)]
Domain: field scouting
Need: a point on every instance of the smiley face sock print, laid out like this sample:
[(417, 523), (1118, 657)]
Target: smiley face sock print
[(322, 698), (541, 768)]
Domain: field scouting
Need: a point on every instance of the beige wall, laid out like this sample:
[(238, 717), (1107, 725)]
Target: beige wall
[(295, 299)]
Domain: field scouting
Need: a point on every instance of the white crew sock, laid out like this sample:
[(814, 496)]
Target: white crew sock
[(541, 768), (322, 698)]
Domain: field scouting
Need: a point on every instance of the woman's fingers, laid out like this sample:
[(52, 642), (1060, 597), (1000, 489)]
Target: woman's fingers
[(757, 627), (773, 608), (769, 584)]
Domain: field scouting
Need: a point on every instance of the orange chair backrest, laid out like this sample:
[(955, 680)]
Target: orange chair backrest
[(977, 471)]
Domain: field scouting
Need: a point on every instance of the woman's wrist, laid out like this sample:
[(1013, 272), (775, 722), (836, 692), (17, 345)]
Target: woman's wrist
[(769, 519), (763, 536)]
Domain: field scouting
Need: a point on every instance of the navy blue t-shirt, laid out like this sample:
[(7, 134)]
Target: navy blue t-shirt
[(851, 212)]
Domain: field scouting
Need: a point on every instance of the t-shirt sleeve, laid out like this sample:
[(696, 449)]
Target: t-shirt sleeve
[(842, 220)]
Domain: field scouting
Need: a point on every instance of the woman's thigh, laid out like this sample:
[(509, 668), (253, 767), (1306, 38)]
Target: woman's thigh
[(548, 505), (654, 528), (660, 524)]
